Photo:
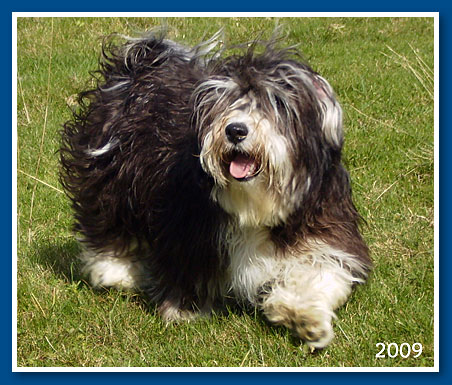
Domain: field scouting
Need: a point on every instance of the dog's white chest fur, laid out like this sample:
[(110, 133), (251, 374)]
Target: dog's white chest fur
[(252, 260)]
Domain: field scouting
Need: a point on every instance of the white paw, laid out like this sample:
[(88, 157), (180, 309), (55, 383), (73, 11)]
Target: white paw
[(110, 272), (310, 323)]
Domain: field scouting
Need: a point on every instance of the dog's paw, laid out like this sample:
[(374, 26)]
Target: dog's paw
[(170, 311), (309, 323)]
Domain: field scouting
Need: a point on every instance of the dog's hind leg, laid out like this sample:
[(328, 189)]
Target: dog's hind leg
[(105, 269)]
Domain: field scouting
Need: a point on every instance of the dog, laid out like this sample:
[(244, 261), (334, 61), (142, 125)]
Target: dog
[(196, 175)]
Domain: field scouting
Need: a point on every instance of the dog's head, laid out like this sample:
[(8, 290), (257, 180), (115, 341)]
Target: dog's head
[(269, 127)]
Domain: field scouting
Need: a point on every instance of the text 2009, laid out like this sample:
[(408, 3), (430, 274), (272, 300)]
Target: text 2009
[(403, 350)]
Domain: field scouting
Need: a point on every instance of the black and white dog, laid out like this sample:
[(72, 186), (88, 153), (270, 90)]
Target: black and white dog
[(194, 175)]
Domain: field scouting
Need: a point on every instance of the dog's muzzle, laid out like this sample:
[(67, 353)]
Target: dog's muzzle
[(241, 165)]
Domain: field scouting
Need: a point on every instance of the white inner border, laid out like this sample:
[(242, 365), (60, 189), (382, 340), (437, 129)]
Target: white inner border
[(16, 15)]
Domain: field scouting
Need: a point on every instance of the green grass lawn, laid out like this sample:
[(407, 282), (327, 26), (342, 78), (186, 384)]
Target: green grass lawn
[(382, 71)]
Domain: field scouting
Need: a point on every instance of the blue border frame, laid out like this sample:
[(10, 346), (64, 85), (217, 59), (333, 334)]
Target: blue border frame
[(444, 9)]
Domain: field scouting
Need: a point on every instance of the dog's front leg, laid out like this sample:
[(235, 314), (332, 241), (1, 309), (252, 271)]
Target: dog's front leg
[(304, 299)]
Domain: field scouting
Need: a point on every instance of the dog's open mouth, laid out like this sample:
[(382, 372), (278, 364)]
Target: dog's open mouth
[(242, 166)]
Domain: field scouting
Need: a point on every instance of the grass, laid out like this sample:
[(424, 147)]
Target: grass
[(381, 69)]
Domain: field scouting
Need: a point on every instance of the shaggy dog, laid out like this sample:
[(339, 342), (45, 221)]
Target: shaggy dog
[(194, 175)]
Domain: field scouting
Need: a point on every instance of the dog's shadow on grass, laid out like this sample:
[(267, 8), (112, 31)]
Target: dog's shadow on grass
[(230, 308), (61, 258)]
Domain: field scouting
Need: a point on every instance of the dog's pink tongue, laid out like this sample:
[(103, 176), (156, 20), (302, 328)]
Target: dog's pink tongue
[(240, 166)]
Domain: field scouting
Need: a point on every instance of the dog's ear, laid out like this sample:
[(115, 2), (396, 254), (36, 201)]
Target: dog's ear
[(331, 111)]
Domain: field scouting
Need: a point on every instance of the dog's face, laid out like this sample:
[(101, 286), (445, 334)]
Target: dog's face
[(265, 125)]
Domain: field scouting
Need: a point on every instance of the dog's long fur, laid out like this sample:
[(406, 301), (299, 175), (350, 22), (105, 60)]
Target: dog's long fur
[(150, 163)]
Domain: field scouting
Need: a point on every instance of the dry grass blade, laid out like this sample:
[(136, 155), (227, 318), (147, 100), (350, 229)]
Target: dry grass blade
[(244, 358), (23, 100), (421, 155), (41, 181), (38, 305), (425, 78), (424, 67), (385, 191), (41, 145), (370, 117)]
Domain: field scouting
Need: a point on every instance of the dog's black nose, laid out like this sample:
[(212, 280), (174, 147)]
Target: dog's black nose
[(236, 132)]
